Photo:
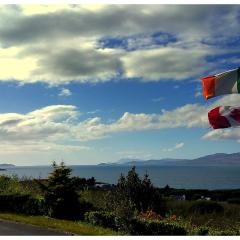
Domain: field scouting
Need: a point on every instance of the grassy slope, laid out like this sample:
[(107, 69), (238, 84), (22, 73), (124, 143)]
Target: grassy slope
[(78, 228)]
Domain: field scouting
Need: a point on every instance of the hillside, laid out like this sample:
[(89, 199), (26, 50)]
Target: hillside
[(218, 159)]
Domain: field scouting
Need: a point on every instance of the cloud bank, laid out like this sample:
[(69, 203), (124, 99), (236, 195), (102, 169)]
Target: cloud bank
[(60, 44), (54, 127)]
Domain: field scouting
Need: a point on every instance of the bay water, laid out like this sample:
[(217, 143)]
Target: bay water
[(189, 177)]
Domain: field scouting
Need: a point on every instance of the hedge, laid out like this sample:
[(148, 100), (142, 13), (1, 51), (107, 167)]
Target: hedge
[(146, 227), (18, 203), (135, 226), (101, 218)]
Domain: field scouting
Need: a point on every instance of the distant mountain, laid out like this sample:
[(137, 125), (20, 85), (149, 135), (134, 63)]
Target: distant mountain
[(6, 165), (164, 161), (218, 159)]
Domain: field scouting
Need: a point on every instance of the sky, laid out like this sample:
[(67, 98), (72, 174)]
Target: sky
[(86, 84)]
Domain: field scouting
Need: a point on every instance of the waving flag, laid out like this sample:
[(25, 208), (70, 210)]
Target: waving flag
[(224, 117), (222, 83)]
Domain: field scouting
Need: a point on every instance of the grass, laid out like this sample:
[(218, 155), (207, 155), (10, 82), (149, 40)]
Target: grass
[(78, 227)]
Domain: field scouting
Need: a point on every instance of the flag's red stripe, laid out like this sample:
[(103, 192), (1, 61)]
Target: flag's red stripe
[(209, 86), (216, 120)]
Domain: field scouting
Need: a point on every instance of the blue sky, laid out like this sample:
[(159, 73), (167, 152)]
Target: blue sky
[(96, 83)]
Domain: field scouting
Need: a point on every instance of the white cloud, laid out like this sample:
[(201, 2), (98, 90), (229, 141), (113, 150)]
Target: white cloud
[(177, 146), (36, 147), (94, 111), (133, 154), (189, 116), (223, 134), (65, 92), (53, 44), (165, 63), (159, 99), (39, 130), (49, 125), (42, 124), (198, 94)]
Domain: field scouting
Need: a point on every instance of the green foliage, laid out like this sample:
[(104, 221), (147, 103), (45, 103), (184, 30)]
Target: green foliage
[(135, 226), (138, 193), (109, 220), (76, 227), (10, 185), (99, 198), (212, 225), (179, 208), (206, 207), (61, 197), (202, 231), (142, 227), (101, 218), (83, 207), (195, 194), (30, 186), (83, 183), (14, 185), (234, 200), (21, 204), (121, 206)]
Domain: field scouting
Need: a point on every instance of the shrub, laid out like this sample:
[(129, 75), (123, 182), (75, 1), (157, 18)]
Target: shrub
[(99, 198), (101, 218), (83, 208), (61, 197), (21, 204), (206, 207), (234, 200), (142, 227), (139, 192), (151, 215), (202, 231), (134, 227), (121, 206)]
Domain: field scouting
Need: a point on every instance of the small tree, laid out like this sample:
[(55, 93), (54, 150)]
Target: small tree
[(60, 194), (139, 192)]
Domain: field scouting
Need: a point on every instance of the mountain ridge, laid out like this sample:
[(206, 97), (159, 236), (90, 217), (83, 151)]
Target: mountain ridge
[(217, 159), (6, 165)]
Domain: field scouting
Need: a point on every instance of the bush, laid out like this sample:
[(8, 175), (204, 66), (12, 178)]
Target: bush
[(202, 231), (142, 227), (83, 208), (101, 218), (234, 200), (21, 204), (134, 227), (206, 207)]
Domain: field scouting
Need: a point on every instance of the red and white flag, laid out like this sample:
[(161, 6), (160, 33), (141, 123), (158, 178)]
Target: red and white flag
[(224, 117)]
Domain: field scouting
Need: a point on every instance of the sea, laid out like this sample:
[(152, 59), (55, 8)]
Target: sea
[(188, 177)]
